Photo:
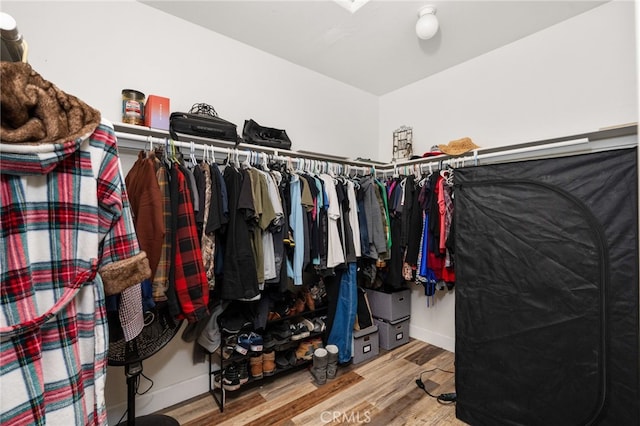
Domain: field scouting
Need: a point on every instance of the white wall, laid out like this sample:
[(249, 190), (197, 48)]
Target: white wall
[(95, 49), (577, 76)]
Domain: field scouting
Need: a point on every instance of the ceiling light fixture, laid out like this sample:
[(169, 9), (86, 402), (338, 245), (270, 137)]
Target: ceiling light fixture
[(427, 25)]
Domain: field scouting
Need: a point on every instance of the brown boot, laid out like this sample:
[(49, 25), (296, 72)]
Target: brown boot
[(308, 298), (256, 366), (268, 363), (299, 304)]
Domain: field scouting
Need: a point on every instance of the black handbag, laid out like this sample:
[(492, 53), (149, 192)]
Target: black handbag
[(256, 134), (202, 120)]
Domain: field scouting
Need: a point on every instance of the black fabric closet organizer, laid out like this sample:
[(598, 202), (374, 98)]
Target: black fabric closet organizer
[(547, 291)]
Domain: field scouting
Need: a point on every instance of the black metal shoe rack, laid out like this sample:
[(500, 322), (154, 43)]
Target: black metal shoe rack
[(219, 394)]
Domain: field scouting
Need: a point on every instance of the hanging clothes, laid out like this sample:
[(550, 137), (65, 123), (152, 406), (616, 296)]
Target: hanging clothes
[(187, 272), (161, 284), (335, 253), (207, 240), (341, 331), (377, 242), (353, 217), (294, 267), (240, 278)]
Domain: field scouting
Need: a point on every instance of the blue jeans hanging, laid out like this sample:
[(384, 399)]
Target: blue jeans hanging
[(341, 333)]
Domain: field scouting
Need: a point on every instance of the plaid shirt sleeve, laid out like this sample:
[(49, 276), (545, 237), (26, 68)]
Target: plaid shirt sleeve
[(190, 281), (122, 264)]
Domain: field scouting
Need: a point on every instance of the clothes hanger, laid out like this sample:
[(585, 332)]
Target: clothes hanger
[(236, 159), (192, 154)]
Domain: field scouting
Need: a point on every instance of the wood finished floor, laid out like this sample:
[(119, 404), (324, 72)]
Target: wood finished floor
[(381, 391)]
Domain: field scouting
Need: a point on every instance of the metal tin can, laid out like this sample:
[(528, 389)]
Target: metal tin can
[(132, 107)]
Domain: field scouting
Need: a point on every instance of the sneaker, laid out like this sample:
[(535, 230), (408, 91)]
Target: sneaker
[(227, 351), (217, 381), (230, 378), (308, 324), (243, 372), (255, 342), (318, 325), (230, 343), (298, 331), (244, 344)]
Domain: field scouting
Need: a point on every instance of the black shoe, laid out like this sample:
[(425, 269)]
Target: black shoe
[(298, 331), (281, 333), (231, 378), (243, 372), (281, 360), (268, 341), (234, 324)]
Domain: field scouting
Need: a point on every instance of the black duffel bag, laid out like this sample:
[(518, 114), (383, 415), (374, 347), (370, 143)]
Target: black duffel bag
[(202, 120), (256, 134)]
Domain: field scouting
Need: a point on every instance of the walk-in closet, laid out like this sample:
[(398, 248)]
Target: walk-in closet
[(319, 212)]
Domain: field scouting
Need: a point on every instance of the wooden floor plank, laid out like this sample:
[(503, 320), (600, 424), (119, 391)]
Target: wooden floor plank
[(381, 391)]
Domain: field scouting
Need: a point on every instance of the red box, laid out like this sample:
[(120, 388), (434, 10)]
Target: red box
[(156, 112)]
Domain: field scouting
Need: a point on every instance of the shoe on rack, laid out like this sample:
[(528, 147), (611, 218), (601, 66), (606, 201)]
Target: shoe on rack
[(244, 344), (319, 293), (217, 381), (256, 342), (230, 378), (234, 324), (269, 363), (298, 331), (305, 351), (281, 309), (273, 316), (299, 305), (229, 346), (282, 361), (256, 366), (281, 332), (318, 325), (308, 299), (308, 324), (243, 371), (316, 342), (268, 341)]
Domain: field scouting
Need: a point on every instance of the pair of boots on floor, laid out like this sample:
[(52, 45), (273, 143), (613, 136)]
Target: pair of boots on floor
[(325, 364)]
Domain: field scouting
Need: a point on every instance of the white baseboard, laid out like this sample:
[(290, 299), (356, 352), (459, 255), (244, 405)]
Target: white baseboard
[(161, 398), (428, 336)]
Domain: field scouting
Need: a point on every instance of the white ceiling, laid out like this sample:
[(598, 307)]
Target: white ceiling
[(375, 48)]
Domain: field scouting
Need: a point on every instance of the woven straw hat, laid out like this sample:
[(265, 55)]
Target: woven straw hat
[(458, 147)]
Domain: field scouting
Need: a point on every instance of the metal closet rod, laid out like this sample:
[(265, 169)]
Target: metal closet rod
[(301, 160), (585, 142)]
